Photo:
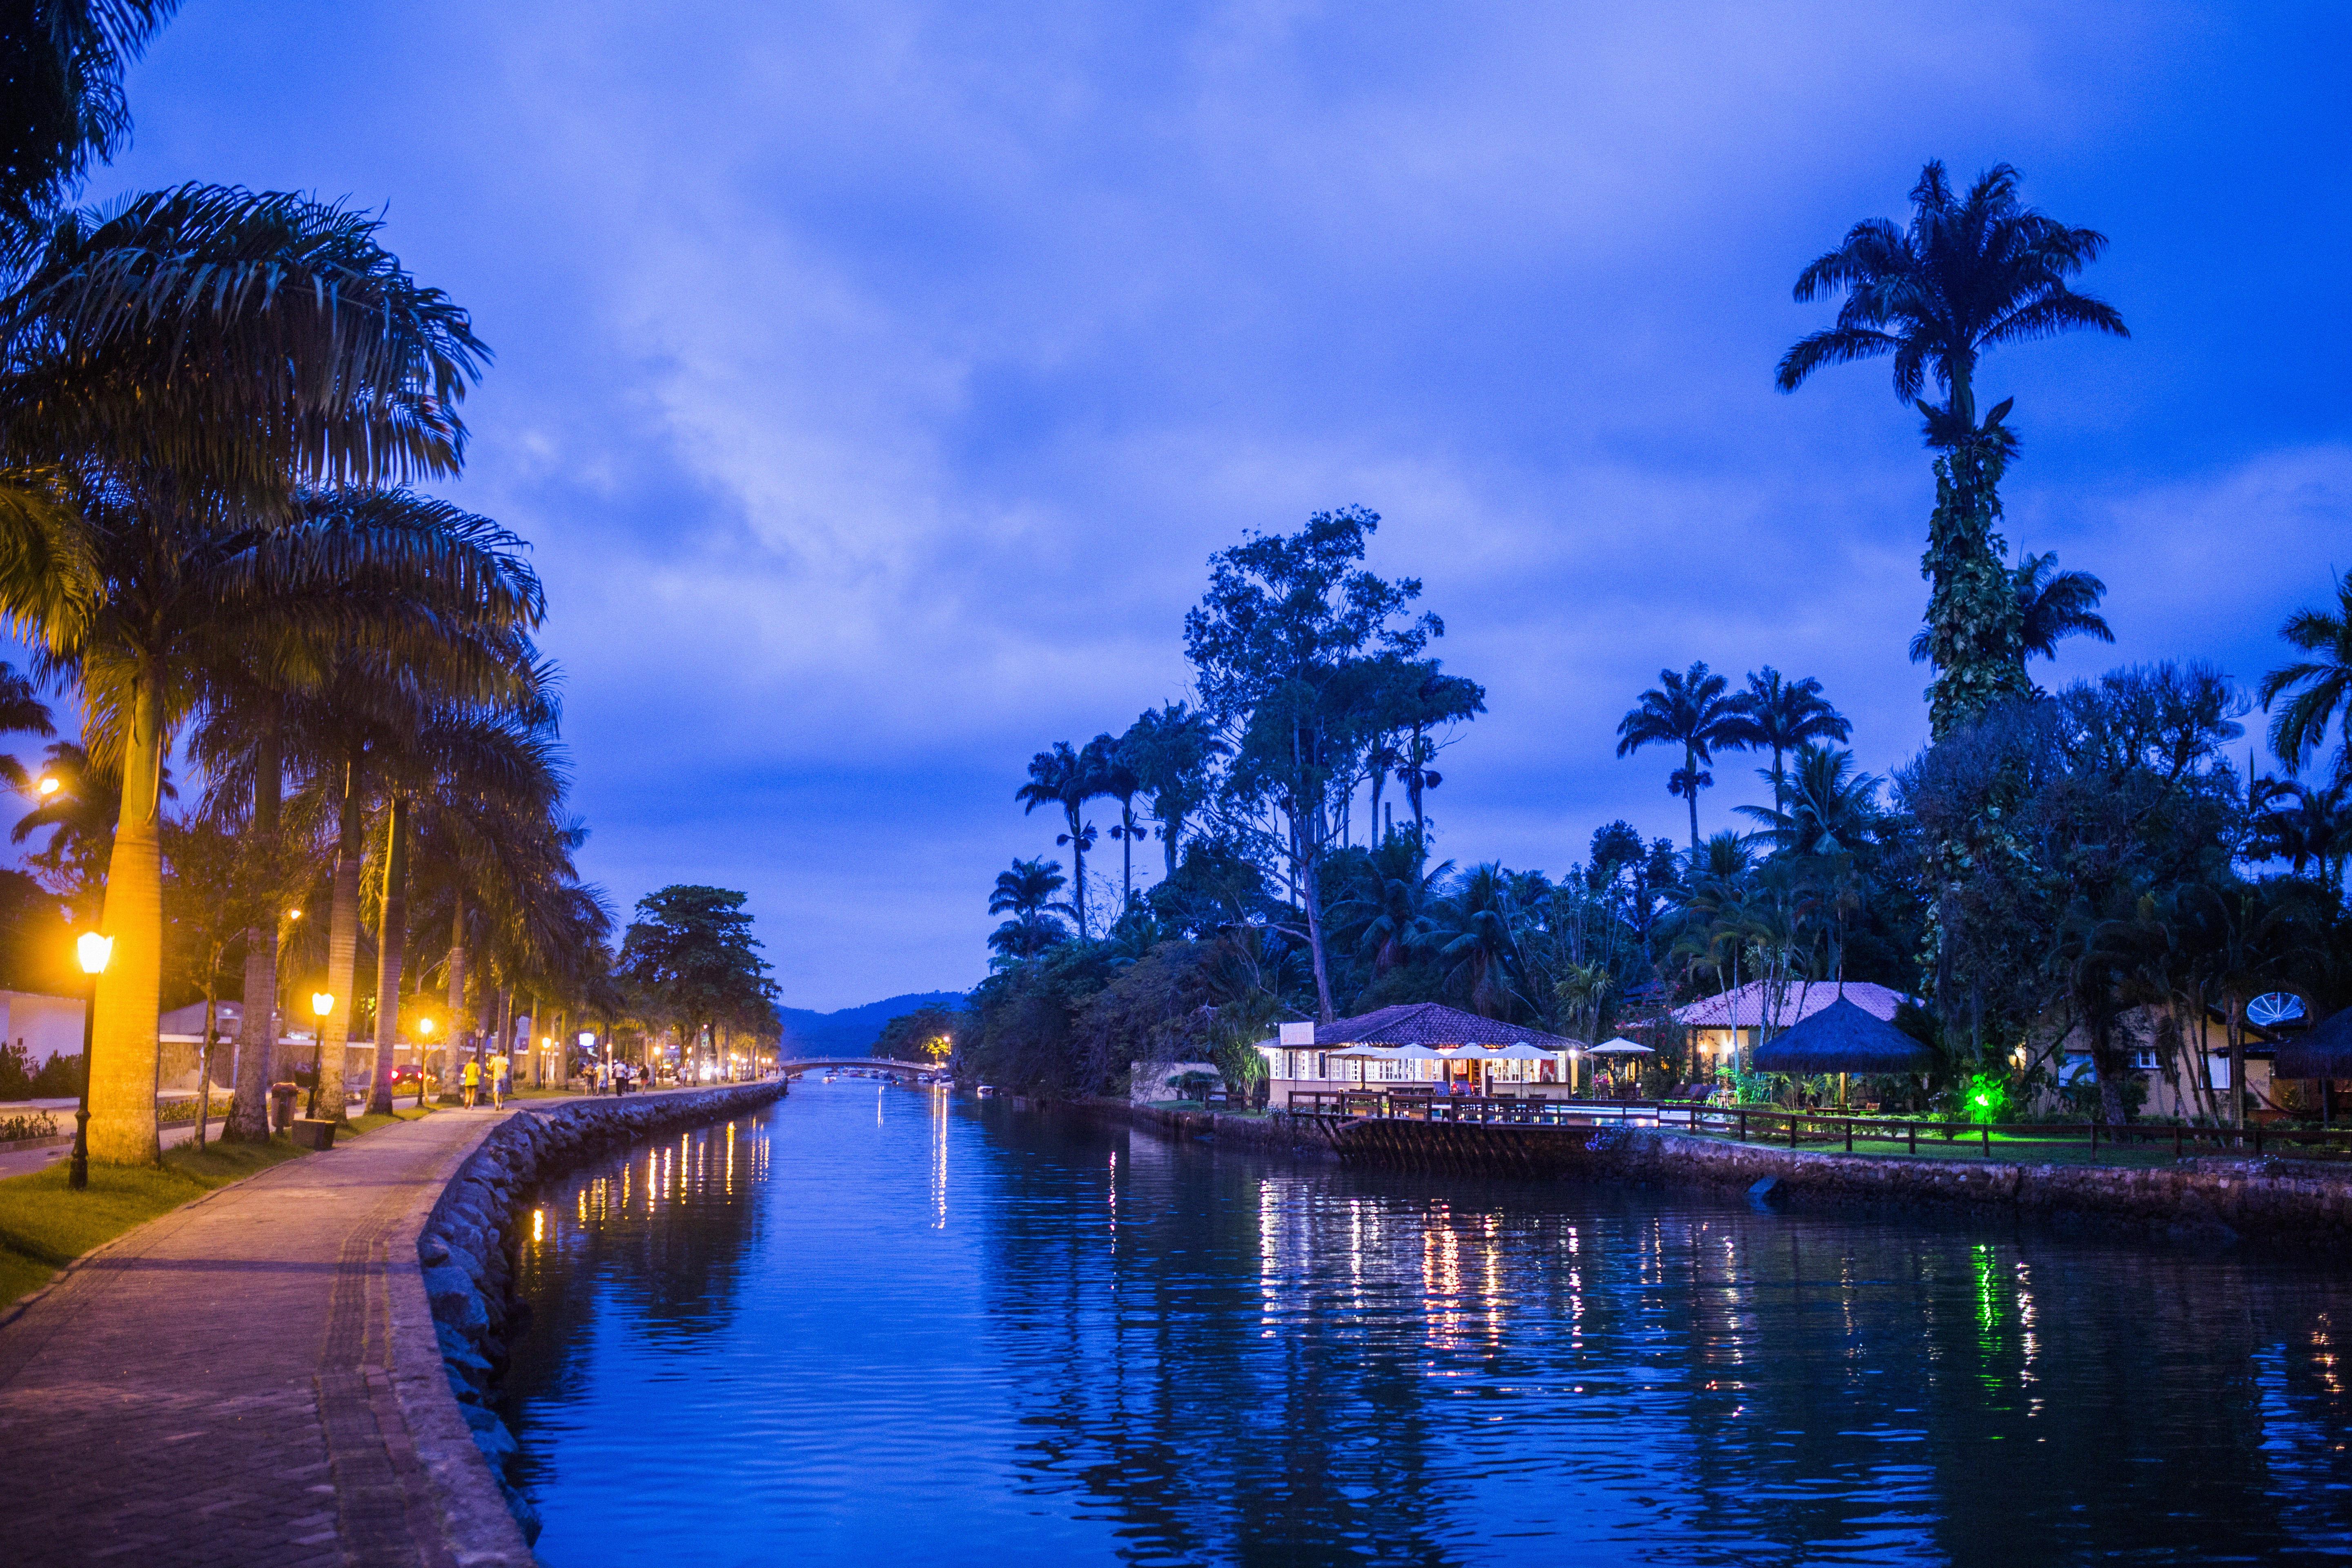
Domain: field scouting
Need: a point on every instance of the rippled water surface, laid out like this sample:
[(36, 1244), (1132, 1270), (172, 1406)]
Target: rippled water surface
[(883, 1326)]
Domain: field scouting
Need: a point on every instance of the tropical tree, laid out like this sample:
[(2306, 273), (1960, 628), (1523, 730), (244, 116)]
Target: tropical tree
[(1291, 645), (2315, 828), (1967, 273), (1688, 709), (1470, 934), (691, 948), (179, 363), (64, 62), (1779, 715), (1068, 779), (1391, 918), (2318, 687), (2051, 606), (1026, 892), (1170, 749), (1828, 807), (1120, 782)]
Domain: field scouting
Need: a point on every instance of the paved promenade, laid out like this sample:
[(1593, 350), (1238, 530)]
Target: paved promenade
[(217, 1387)]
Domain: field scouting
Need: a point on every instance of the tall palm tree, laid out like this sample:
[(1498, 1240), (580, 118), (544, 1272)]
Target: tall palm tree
[(1121, 782), (178, 364), (1688, 709), (1967, 273), (1779, 715), (1067, 779), (2321, 685)]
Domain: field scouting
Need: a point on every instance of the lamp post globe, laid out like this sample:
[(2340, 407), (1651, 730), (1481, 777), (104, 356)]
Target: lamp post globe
[(91, 951)]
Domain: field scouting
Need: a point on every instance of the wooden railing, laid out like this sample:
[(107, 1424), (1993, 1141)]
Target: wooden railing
[(1797, 1129)]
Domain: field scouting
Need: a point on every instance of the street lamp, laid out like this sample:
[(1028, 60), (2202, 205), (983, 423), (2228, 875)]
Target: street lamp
[(423, 1039), (321, 1003), (93, 951), (50, 785)]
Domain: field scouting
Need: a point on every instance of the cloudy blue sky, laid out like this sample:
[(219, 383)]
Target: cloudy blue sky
[(874, 379)]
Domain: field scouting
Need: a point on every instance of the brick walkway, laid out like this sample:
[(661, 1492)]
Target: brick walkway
[(215, 1387)]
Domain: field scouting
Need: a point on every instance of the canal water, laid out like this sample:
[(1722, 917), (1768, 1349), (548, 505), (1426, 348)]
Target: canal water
[(886, 1326)]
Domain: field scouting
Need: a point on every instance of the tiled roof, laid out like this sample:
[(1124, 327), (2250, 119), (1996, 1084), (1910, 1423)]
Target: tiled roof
[(1432, 1024), (1750, 1006)]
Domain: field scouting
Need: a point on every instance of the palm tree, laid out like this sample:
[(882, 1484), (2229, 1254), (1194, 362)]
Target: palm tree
[(1121, 782), (1414, 771), (1395, 919), (2318, 827), (1689, 710), (1470, 932), (2051, 606), (2321, 685), (65, 64), (1067, 779), (1827, 809), (1969, 273), (1169, 749), (1779, 715), (177, 365), (1026, 892)]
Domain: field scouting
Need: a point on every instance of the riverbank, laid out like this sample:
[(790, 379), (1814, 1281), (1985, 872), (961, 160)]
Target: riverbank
[(465, 1248), (2289, 1204)]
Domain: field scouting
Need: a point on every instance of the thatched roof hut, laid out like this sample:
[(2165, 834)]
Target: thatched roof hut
[(2325, 1052), (1842, 1037)]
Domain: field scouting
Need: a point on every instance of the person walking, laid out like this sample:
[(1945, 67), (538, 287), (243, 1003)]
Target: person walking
[(471, 1079), (498, 1081)]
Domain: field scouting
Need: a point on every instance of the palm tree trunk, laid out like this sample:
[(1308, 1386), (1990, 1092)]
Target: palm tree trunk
[(123, 1046), (1690, 790), (1078, 871), (343, 949), (1126, 857), (459, 1036), (392, 949), (256, 1066)]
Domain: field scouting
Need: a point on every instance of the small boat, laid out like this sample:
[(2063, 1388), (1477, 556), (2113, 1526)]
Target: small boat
[(987, 1091), (828, 1078)]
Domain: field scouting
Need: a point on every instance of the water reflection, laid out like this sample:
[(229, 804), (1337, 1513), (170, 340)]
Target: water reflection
[(1114, 1349)]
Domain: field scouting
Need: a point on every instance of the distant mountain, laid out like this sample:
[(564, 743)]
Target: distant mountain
[(852, 1031)]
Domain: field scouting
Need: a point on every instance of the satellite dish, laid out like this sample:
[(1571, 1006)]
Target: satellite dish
[(2275, 1007)]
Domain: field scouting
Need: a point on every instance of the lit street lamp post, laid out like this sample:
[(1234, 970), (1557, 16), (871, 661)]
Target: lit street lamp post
[(424, 1042), (93, 951), (321, 1003)]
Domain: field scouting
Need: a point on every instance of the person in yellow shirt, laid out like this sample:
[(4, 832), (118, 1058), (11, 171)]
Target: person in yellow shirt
[(498, 1081), (471, 1078)]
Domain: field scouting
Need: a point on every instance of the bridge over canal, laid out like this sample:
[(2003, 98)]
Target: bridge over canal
[(796, 1066)]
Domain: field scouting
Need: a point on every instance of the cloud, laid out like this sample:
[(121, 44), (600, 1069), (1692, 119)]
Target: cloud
[(875, 380)]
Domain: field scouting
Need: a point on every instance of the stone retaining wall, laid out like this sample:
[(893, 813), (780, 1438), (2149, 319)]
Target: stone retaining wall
[(2287, 1204), (2283, 1203), (465, 1247)]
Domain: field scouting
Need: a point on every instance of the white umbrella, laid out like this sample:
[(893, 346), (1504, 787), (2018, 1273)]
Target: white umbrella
[(1521, 1051), (1620, 1047)]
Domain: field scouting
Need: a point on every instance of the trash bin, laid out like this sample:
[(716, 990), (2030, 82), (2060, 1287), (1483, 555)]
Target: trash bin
[(281, 1105), (313, 1132)]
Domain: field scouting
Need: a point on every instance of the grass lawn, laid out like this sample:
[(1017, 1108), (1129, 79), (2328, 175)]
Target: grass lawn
[(45, 1225)]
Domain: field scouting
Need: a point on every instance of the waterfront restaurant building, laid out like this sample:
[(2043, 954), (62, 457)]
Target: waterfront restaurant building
[(1374, 1050), (1724, 1030)]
